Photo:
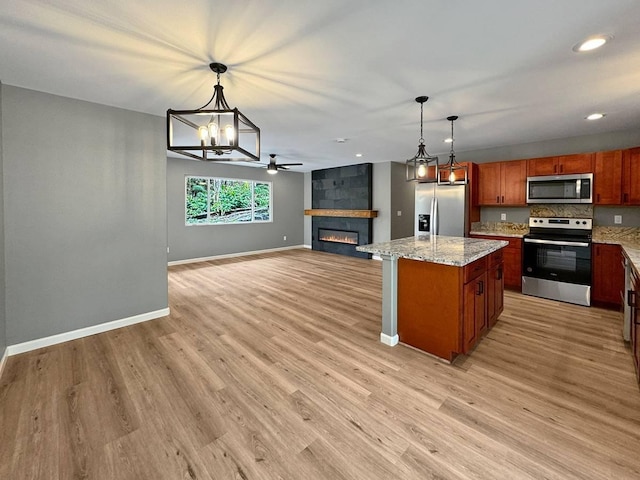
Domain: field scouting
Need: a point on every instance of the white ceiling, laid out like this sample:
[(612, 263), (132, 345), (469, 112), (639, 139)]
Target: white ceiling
[(308, 72)]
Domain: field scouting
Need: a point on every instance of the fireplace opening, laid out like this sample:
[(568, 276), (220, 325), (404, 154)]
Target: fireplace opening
[(338, 236)]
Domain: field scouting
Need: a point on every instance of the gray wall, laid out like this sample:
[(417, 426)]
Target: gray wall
[(514, 214), (604, 216), (85, 214), (562, 146), (382, 202), (200, 241), (403, 199), (3, 324)]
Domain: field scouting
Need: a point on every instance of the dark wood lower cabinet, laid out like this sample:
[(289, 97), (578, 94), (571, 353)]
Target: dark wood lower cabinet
[(445, 310), (512, 254), (607, 274), (495, 288), (633, 298), (475, 317)]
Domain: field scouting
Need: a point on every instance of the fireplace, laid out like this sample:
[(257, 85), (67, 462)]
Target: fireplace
[(342, 188), (337, 236)]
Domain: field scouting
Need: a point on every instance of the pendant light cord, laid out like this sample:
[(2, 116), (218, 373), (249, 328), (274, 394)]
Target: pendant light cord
[(451, 154)]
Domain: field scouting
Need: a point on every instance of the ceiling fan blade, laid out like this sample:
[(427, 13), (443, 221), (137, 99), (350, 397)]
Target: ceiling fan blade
[(288, 164)]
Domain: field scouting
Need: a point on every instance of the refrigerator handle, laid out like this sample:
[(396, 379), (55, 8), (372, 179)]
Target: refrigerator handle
[(434, 216)]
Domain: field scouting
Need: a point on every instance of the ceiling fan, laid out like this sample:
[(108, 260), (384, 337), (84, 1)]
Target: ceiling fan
[(273, 167)]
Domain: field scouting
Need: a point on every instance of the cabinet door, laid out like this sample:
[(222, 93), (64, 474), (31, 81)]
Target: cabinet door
[(580, 163), (469, 334), (631, 177), (608, 178), (608, 273), (635, 322), (495, 294), (542, 166), (514, 180), (513, 267), (489, 183), (474, 316)]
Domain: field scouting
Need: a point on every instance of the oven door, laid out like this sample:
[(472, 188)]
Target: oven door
[(566, 261)]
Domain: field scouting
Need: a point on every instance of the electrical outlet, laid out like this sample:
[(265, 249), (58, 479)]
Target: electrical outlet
[(617, 219), (503, 216), (399, 213), (167, 249), (284, 238)]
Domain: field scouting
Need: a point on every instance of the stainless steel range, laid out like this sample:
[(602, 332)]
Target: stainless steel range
[(556, 260)]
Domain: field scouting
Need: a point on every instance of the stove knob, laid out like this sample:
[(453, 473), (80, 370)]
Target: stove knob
[(584, 223), (577, 223)]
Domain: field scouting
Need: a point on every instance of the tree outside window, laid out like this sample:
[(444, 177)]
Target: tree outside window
[(212, 201)]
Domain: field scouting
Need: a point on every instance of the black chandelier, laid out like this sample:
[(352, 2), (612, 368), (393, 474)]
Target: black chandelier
[(422, 167), (220, 133), (452, 172)]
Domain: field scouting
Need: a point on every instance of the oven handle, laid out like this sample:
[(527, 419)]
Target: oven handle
[(556, 242)]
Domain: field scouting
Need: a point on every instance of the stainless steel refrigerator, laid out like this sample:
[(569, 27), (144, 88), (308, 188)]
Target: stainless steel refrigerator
[(442, 209)]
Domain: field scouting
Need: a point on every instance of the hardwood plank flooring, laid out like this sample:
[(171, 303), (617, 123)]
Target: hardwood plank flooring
[(270, 367)]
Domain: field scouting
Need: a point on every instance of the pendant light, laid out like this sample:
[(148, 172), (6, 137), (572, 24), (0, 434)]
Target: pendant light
[(218, 133), (452, 173), (422, 167)]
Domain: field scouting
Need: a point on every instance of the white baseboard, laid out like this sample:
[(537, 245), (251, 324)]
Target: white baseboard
[(388, 340), (307, 246), (232, 255), (83, 332), (3, 361)]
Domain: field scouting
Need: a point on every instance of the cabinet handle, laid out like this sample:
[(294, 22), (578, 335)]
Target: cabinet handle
[(631, 298), (480, 290), (502, 199), (498, 199), (499, 274), (626, 198), (561, 168), (597, 197), (555, 169)]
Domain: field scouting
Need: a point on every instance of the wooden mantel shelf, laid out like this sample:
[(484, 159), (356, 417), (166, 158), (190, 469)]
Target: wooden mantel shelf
[(322, 212)]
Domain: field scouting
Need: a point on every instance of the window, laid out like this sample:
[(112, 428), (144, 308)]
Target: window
[(212, 201)]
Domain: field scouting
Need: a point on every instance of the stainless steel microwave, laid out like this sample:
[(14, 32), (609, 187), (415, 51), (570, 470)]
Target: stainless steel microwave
[(560, 189)]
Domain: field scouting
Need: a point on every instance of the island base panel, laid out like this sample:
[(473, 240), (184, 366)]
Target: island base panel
[(430, 307)]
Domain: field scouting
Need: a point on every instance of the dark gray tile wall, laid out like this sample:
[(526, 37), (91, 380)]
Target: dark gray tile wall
[(342, 188)]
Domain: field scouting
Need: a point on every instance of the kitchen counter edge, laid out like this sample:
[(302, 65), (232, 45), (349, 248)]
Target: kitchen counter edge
[(441, 249)]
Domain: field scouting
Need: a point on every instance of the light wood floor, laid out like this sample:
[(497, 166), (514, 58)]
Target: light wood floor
[(270, 367)]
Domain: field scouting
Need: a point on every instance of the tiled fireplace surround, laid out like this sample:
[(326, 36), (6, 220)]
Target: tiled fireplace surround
[(342, 188)]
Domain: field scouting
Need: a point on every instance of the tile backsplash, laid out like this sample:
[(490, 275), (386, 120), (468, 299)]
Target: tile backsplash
[(566, 210)]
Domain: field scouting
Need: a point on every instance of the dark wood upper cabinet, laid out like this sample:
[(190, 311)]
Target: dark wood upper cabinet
[(489, 183), (561, 165), (542, 166), (579, 163), (514, 182), (631, 176), (502, 183), (608, 178)]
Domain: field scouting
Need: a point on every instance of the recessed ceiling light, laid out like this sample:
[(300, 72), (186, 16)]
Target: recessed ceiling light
[(594, 116), (341, 140), (592, 43), (358, 155), (448, 140)]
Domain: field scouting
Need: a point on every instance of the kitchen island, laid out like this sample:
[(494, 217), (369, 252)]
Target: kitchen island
[(439, 294)]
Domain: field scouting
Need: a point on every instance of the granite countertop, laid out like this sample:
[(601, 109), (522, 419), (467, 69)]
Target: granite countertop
[(456, 251)]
